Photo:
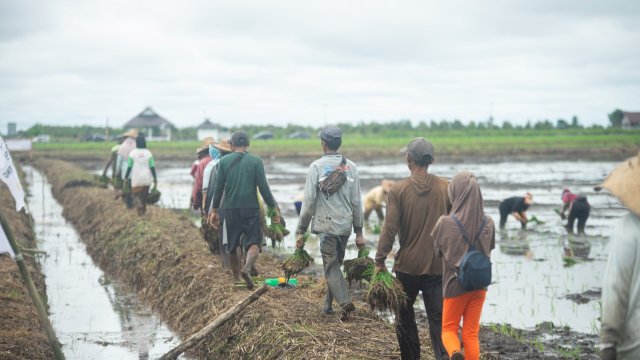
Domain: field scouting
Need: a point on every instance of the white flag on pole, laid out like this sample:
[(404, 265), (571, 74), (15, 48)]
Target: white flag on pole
[(9, 175), (5, 247)]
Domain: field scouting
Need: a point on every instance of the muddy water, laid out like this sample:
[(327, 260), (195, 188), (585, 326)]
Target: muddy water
[(534, 269), (94, 317)]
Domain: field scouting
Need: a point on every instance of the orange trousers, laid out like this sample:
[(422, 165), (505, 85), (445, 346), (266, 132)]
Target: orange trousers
[(469, 307)]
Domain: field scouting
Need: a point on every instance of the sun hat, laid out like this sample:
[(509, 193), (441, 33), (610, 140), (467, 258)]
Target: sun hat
[(223, 145), (131, 133), (205, 144), (624, 183), (387, 184)]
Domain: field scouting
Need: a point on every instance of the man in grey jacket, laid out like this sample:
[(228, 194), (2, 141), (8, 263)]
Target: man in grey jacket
[(332, 216)]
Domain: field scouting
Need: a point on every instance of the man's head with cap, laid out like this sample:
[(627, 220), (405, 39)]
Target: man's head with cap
[(420, 151), (239, 139), (331, 136)]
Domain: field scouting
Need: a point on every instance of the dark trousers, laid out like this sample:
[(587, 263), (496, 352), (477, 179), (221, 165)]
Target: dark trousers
[(505, 211), (579, 210), (406, 327)]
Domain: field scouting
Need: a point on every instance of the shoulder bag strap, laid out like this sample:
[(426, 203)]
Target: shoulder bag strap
[(464, 235), (233, 164)]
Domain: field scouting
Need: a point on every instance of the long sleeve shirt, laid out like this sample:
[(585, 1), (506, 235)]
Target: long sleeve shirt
[(621, 290), (335, 214), (196, 191), (240, 183)]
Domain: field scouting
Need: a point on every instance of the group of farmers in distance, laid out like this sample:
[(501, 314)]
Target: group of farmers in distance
[(438, 222)]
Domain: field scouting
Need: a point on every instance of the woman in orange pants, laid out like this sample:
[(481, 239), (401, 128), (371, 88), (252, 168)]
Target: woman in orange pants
[(453, 234)]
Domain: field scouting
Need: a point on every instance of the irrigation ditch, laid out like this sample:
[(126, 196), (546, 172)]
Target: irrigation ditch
[(21, 332), (163, 258)]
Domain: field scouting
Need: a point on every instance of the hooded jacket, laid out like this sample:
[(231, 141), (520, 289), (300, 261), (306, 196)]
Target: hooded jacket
[(414, 206)]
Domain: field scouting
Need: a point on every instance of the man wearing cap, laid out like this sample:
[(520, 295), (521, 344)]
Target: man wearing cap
[(332, 217), (620, 330), (203, 155), (240, 174), (414, 206)]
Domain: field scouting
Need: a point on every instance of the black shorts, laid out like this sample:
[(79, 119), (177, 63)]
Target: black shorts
[(242, 221)]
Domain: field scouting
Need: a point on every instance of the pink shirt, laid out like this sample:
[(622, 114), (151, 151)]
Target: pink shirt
[(196, 192), (568, 197)]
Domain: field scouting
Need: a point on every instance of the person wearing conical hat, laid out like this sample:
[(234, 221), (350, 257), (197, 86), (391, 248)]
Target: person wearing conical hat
[(127, 146), (376, 198), (620, 330), (196, 191)]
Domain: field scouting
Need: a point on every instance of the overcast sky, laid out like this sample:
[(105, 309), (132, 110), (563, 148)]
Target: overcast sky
[(303, 62)]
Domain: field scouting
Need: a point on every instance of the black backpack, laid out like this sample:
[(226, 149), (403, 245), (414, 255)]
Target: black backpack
[(475, 267)]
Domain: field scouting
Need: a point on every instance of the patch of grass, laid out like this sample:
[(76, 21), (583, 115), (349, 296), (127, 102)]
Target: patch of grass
[(569, 353)]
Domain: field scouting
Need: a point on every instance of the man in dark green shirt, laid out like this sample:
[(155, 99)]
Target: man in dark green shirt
[(240, 174)]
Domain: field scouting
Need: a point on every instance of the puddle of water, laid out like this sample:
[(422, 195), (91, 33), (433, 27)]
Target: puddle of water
[(530, 276), (93, 316)]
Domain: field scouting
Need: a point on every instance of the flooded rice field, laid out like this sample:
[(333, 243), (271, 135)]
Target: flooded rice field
[(94, 316), (540, 274)]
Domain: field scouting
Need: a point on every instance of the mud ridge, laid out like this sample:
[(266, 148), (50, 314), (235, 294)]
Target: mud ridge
[(163, 257), (21, 332)]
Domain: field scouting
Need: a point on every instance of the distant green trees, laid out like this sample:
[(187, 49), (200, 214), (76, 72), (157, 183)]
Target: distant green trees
[(615, 118)]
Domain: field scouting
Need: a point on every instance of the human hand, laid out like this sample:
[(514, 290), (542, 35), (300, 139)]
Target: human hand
[(299, 241), (608, 354), (563, 216), (276, 218), (214, 220), (359, 241), (381, 268)]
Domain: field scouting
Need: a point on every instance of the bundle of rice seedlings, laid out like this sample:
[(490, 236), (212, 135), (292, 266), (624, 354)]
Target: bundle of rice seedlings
[(377, 229), (297, 262), (154, 196), (276, 232), (385, 292), (360, 268), (103, 181)]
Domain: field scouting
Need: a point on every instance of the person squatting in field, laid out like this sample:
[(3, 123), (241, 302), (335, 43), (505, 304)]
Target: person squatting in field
[(620, 330), (452, 242), (212, 237), (376, 198), (142, 168), (516, 206), (240, 175), (414, 206), (578, 208), (332, 215)]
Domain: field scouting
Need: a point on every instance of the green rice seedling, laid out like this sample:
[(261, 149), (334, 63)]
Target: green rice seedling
[(385, 292), (297, 262), (377, 229), (276, 232), (360, 268)]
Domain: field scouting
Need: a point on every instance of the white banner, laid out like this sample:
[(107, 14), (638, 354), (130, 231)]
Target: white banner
[(9, 175), (5, 247)]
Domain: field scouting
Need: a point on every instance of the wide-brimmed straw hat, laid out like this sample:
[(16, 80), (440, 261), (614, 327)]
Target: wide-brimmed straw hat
[(131, 133), (624, 183), (205, 144), (223, 145)]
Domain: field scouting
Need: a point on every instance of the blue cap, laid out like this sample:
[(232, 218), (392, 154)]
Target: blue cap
[(330, 133)]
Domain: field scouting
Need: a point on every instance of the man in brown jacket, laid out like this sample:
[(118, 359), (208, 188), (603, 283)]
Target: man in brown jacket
[(414, 206)]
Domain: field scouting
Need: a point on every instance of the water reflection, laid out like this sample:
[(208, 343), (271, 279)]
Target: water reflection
[(515, 244)]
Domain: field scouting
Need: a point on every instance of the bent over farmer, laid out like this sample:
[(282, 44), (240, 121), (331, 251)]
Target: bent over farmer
[(414, 206), (332, 216), (239, 176)]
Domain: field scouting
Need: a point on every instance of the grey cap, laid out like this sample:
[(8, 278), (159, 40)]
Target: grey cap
[(418, 148), (239, 138), (330, 133)]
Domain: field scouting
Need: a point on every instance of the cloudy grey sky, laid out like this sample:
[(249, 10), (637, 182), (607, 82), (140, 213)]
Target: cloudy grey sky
[(239, 62)]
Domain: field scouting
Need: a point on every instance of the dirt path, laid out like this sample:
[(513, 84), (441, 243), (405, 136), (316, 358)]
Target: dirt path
[(21, 334)]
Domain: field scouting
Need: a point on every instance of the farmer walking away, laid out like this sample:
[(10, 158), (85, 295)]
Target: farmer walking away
[(142, 168), (376, 198), (113, 160), (240, 175), (516, 206), (332, 200), (123, 187), (578, 208), (205, 158), (414, 206), (464, 240), (211, 236), (620, 330)]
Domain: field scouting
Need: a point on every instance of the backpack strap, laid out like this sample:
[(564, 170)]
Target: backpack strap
[(464, 234)]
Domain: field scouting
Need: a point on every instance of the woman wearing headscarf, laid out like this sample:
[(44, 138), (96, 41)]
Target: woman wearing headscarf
[(451, 245), (142, 168)]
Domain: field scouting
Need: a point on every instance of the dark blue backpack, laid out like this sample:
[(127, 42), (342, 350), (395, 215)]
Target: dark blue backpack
[(475, 268)]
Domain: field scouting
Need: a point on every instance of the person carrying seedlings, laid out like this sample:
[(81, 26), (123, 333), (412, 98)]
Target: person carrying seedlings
[(123, 187), (212, 237), (375, 199), (113, 160), (332, 206), (239, 176), (578, 208), (620, 329), (205, 158), (516, 206), (465, 229), (414, 206), (142, 168)]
